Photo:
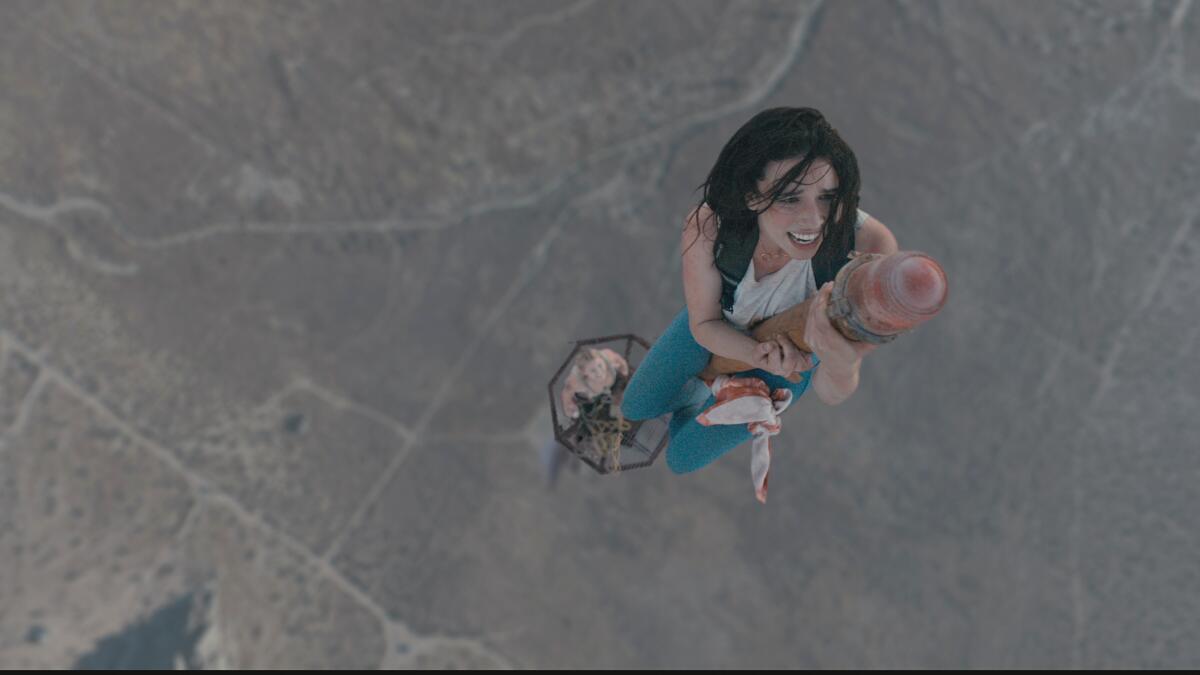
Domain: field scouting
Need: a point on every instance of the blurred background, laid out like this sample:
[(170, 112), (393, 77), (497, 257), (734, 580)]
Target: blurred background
[(282, 285)]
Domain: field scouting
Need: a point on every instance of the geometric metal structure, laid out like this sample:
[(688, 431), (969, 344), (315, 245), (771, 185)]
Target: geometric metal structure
[(640, 444)]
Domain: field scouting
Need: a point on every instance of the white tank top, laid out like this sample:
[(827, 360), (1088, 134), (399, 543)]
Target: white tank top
[(788, 286)]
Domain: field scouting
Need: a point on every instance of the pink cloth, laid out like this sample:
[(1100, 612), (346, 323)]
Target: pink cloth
[(593, 373), (748, 400)]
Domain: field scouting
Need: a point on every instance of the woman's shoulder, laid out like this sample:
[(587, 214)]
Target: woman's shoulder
[(860, 219), (703, 219)]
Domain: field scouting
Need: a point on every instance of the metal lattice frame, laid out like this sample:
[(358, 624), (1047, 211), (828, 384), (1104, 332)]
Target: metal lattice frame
[(571, 436)]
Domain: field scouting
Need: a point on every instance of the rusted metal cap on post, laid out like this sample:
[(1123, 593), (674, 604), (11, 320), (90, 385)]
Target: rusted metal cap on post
[(877, 297)]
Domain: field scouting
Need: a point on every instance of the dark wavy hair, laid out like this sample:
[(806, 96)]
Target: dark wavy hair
[(772, 135)]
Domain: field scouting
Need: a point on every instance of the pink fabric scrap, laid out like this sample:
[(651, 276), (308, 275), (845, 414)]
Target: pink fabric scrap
[(592, 374), (748, 400)]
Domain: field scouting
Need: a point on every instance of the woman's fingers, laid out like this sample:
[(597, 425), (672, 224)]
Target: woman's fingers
[(791, 354), (780, 356), (768, 351), (761, 353), (819, 332), (805, 361), (767, 355), (776, 358)]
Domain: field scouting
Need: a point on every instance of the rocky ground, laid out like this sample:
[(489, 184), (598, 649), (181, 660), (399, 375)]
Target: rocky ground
[(282, 284)]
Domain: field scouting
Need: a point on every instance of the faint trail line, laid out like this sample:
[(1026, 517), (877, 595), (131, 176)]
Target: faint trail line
[(1153, 70), (530, 267), (203, 490), (189, 519), (801, 33), (534, 262), (122, 87), (1157, 277), (26, 407), (1179, 13), (197, 484), (333, 228), (799, 36), (524, 24), (337, 400), (47, 214), (528, 271)]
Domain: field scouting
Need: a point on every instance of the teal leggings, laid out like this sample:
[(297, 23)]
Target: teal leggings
[(666, 382)]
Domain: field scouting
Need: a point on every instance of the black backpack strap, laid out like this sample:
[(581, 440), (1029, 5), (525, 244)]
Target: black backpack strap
[(732, 257)]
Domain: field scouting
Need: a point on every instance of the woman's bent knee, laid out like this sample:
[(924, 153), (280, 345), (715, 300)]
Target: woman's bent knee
[(636, 410)]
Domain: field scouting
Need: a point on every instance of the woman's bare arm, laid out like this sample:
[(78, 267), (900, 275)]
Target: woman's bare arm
[(875, 237), (837, 379), (702, 290)]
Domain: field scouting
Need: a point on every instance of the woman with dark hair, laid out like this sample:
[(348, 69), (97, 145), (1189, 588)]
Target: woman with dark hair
[(778, 218)]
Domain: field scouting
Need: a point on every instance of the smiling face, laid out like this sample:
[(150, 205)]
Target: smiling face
[(793, 223)]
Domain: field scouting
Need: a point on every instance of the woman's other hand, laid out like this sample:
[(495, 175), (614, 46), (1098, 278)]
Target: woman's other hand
[(830, 346), (780, 356)]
